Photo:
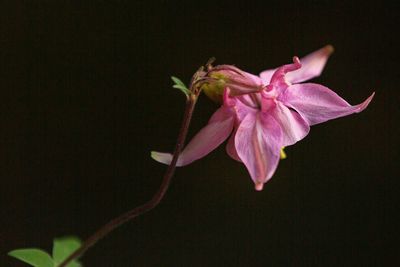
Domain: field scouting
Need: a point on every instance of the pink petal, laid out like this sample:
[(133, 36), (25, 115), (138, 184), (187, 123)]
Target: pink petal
[(231, 148), (278, 81), (239, 82), (258, 141), (294, 127), (244, 105), (210, 137), (317, 103), (242, 109), (266, 75), (235, 73), (250, 100), (312, 66)]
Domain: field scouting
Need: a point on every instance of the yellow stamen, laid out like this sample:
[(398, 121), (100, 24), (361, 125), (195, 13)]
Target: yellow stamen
[(283, 154)]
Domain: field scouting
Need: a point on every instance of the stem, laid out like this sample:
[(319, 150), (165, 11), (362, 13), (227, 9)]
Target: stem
[(154, 201)]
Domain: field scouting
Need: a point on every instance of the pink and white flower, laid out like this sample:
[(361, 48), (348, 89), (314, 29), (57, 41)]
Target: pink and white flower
[(262, 114)]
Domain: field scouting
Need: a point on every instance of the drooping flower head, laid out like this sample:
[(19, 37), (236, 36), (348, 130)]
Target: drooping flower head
[(262, 114)]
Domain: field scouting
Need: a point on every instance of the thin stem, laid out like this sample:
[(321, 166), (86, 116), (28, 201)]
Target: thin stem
[(154, 201)]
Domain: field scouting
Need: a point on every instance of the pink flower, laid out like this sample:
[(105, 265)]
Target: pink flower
[(263, 114)]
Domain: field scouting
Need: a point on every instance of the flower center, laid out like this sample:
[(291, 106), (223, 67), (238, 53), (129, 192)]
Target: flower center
[(268, 100)]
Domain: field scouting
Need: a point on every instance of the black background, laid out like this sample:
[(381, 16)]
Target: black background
[(85, 95)]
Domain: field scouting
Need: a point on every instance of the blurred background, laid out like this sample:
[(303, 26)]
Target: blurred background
[(85, 95)]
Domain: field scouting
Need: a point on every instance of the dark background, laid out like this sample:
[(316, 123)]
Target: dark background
[(85, 95)]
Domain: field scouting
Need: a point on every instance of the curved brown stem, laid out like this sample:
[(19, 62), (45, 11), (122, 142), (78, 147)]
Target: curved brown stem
[(155, 200)]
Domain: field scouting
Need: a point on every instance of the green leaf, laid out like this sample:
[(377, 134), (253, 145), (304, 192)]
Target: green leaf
[(177, 81), (183, 89), (180, 85), (63, 247), (33, 256), (74, 264)]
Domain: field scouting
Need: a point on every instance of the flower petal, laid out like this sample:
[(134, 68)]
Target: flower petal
[(231, 149), (244, 105), (312, 66), (239, 81), (266, 75), (250, 100), (294, 127), (210, 137), (317, 103), (258, 141), (279, 79)]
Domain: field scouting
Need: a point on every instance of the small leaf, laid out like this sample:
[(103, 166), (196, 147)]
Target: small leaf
[(33, 256), (183, 89), (74, 264), (63, 247), (177, 81), (180, 85)]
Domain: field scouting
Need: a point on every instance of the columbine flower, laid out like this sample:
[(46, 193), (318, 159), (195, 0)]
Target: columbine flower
[(263, 114)]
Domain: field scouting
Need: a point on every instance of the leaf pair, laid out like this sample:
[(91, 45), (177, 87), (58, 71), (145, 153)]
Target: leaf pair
[(62, 248), (180, 85)]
